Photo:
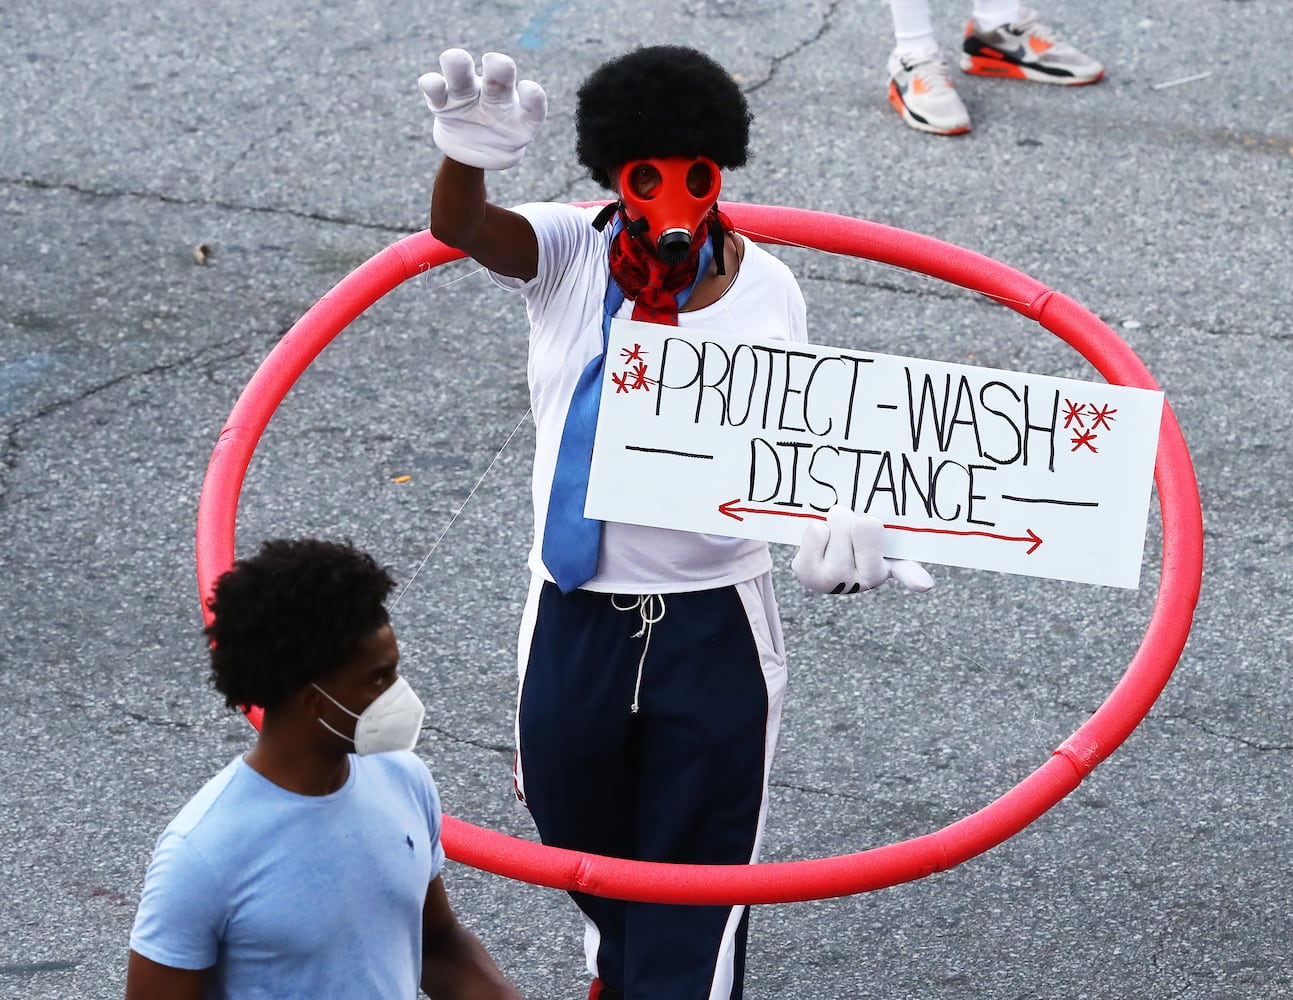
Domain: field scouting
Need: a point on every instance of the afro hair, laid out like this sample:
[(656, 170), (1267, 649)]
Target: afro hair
[(290, 615), (662, 100)]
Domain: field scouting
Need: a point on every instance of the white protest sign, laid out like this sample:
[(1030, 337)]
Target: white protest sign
[(969, 466)]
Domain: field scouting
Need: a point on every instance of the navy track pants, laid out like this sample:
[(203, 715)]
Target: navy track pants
[(645, 729)]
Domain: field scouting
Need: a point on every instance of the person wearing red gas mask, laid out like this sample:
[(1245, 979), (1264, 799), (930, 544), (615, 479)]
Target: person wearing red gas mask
[(652, 666)]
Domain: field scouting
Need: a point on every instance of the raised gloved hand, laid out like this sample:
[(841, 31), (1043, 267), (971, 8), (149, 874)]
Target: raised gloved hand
[(845, 555), (483, 121)]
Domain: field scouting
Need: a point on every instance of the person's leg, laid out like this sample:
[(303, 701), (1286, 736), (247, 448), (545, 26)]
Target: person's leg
[(989, 15), (711, 692), (919, 87), (1016, 45), (913, 29), (574, 766)]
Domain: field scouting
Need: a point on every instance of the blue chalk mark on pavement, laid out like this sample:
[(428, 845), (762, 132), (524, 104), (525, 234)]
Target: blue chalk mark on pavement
[(534, 35), (18, 375)]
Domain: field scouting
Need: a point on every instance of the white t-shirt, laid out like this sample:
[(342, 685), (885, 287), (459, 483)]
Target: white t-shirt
[(297, 897), (564, 302)]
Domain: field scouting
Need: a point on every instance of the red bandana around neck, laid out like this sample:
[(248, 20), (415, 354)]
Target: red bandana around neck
[(652, 285)]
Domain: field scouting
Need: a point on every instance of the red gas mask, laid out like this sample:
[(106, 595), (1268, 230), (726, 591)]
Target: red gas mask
[(667, 199)]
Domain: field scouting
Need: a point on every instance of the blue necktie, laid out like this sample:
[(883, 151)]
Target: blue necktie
[(570, 540)]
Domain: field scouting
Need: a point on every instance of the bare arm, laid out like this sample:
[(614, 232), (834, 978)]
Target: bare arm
[(462, 217), (455, 965), (148, 980)]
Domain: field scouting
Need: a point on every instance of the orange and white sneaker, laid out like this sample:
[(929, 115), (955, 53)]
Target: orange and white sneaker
[(921, 91), (1026, 49)]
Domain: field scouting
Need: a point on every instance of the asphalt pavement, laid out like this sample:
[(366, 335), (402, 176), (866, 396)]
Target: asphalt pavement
[(180, 182)]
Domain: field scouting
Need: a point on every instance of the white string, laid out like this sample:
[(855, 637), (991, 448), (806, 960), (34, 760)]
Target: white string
[(461, 507), (452, 281), (492, 462), (651, 609)]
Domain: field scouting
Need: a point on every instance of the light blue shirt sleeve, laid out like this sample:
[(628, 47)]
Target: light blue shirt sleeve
[(181, 914), (431, 805)]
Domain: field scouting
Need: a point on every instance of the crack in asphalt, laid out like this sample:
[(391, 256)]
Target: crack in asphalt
[(1210, 730), (29, 969), (1204, 727), (38, 184), (774, 64), (936, 288), (1252, 744), (928, 287), (564, 191), (8, 461), (11, 449), (831, 793), (465, 741), (1190, 720), (149, 720)]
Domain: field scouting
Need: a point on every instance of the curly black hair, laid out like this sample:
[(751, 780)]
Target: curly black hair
[(661, 100), (291, 614)]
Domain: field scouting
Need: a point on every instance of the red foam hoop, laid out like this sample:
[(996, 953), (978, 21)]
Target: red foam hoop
[(877, 868)]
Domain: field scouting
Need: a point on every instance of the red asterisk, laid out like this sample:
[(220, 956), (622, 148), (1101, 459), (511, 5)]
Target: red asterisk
[(632, 354), (640, 380), (1085, 438), (633, 378), (1101, 416), (1073, 413)]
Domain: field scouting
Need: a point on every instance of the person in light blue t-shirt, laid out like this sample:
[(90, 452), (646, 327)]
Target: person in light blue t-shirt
[(310, 867)]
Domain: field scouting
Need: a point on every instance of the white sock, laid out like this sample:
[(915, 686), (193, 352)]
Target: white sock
[(989, 14), (913, 30)]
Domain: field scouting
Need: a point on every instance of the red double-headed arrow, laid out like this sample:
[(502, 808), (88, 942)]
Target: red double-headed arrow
[(732, 510), (735, 512)]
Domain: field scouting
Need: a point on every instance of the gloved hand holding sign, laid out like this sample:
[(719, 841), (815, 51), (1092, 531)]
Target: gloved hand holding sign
[(845, 555)]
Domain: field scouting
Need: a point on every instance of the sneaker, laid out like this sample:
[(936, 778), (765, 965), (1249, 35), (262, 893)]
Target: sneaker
[(1026, 50), (921, 91)]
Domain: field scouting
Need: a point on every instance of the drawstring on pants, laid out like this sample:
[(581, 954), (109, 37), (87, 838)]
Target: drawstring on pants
[(651, 609)]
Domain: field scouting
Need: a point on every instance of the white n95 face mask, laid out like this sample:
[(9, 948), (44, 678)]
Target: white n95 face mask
[(391, 722)]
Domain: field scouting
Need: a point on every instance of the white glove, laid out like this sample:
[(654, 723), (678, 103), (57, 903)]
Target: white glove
[(483, 121), (846, 555)]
